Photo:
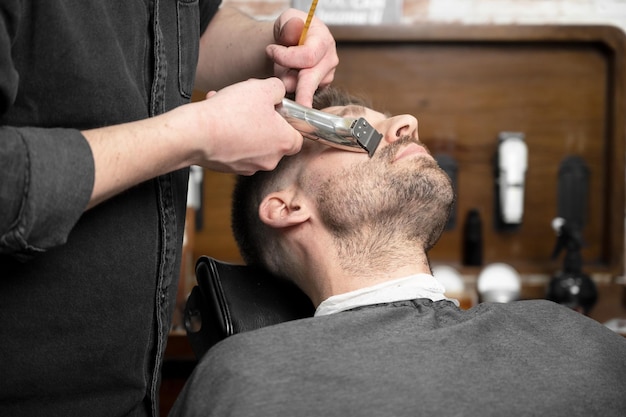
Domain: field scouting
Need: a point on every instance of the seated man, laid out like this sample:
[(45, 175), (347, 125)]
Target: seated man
[(353, 234)]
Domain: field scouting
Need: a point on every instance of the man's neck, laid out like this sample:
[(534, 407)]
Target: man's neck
[(335, 280), (327, 269), (407, 288)]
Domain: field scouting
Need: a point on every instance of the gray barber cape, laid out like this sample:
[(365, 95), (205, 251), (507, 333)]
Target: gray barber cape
[(418, 357)]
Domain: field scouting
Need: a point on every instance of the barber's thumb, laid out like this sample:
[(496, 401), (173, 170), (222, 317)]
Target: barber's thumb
[(297, 144), (275, 87), (291, 139), (289, 33)]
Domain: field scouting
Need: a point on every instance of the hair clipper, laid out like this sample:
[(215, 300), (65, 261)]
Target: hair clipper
[(347, 133)]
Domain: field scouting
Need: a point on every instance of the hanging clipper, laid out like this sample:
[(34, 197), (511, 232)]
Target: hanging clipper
[(511, 165), (346, 133)]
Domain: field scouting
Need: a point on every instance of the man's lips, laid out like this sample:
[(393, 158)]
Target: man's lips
[(410, 150)]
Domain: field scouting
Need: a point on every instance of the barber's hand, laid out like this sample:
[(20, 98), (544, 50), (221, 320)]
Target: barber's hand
[(303, 68), (247, 133)]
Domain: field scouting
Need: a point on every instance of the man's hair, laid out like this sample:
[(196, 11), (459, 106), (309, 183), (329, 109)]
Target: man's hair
[(253, 237)]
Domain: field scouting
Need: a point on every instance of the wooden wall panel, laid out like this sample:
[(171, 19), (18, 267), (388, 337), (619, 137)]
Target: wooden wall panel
[(557, 98)]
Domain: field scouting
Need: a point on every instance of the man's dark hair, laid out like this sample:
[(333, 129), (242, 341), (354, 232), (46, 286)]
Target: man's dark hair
[(250, 233)]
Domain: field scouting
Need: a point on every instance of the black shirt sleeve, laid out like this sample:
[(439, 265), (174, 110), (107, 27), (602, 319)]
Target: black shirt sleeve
[(46, 175)]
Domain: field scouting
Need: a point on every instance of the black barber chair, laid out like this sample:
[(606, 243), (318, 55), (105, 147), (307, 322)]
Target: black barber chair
[(231, 299)]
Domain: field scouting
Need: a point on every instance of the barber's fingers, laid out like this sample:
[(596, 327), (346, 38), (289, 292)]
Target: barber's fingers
[(306, 67), (288, 33), (304, 82), (307, 71), (318, 47), (309, 81), (248, 134)]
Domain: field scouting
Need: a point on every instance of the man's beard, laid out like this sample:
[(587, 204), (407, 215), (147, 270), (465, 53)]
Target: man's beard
[(378, 209)]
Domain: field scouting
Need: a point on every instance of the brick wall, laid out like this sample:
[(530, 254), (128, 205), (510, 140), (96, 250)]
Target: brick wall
[(482, 11)]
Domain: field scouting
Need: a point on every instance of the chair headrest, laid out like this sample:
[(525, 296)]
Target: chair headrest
[(232, 298)]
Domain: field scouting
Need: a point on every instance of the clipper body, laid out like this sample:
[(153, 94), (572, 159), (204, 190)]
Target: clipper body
[(347, 133)]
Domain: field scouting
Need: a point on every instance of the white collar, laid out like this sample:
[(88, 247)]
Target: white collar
[(401, 289)]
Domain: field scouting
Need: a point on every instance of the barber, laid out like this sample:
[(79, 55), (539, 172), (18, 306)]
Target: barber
[(96, 134)]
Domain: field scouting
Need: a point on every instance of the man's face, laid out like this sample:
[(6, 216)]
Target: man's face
[(400, 141), (401, 189), (391, 127)]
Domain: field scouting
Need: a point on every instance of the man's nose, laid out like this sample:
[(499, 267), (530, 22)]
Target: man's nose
[(400, 126)]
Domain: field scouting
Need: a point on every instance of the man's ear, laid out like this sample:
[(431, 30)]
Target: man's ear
[(282, 209)]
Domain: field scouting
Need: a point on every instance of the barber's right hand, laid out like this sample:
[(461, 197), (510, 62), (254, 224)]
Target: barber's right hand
[(243, 133)]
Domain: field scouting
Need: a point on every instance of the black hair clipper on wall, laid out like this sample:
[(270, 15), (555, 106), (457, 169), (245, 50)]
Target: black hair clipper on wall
[(346, 133)]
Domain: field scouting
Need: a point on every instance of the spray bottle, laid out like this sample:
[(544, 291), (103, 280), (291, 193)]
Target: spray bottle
[(570, 286)]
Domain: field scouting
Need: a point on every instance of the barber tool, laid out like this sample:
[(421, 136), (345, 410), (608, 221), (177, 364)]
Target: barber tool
[(308, 22), (473, 239), (499, 283), (570, 286), (511, 165), (573, 191), (346, 133)]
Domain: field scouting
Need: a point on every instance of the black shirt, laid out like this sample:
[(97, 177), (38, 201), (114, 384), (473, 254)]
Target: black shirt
[(86, 299)]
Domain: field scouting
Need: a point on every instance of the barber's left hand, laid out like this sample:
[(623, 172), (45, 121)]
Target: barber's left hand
[(303, 68)]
